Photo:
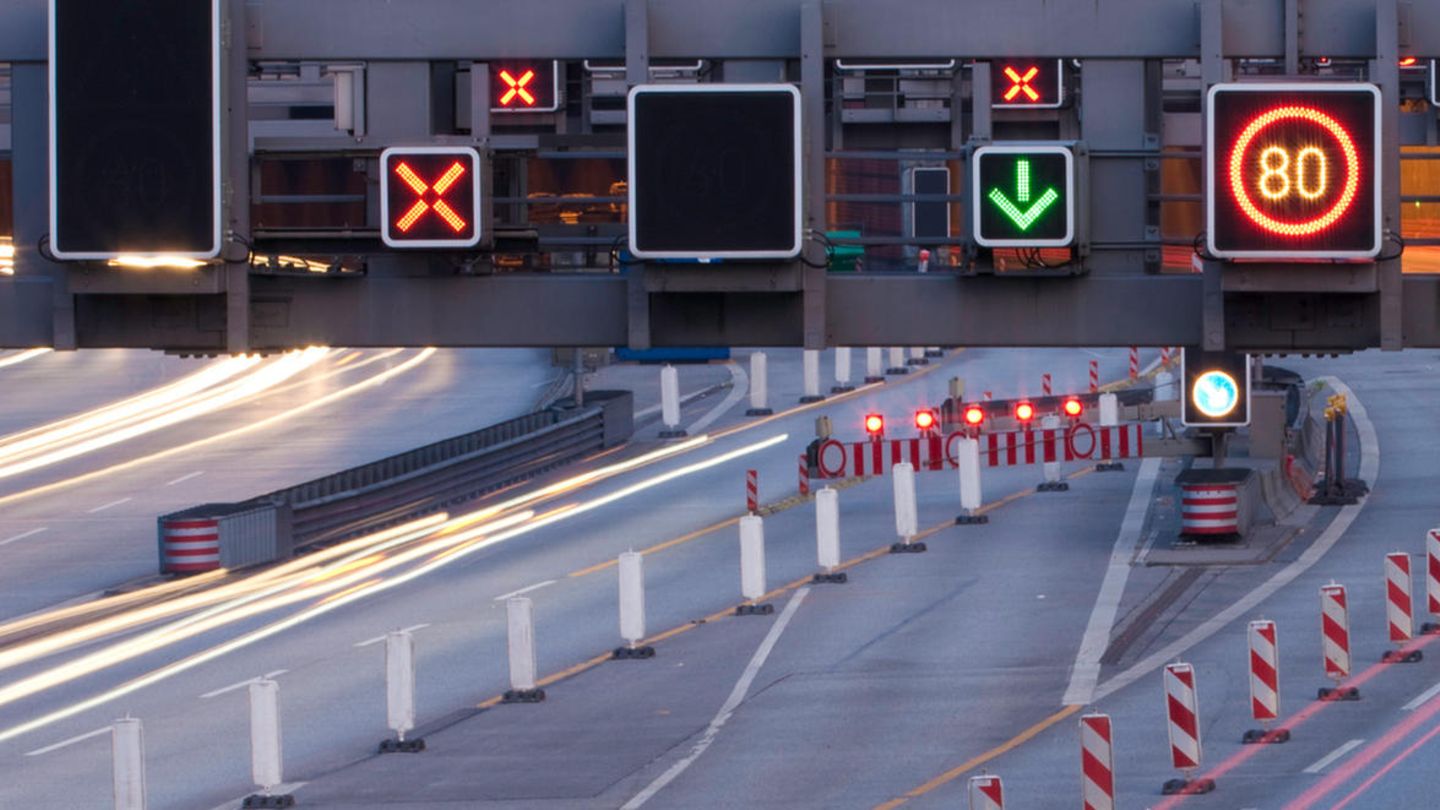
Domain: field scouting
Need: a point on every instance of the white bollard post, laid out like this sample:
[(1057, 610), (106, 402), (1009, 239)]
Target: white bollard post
[(934, 351), (874, 372), (759, 389), (810, 364), (1052, 482), (520, 641), (631, 567), (265, 752), (917, 357), (127, 743), (897, 361), (400, 682), (842, 371), (827, 535), (752, 565), (907, 520), (967, 456), (1109, 417), (670, 403)]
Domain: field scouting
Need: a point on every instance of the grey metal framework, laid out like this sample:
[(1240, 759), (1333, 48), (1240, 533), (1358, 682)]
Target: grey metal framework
[(399, 68)]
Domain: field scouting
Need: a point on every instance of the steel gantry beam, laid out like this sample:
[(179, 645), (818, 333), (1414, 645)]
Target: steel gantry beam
[(411, 51)]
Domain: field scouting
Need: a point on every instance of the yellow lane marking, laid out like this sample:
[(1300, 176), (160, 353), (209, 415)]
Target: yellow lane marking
[(975, 762), (684, 538)]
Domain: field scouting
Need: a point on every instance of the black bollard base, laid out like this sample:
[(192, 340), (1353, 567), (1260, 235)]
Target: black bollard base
[(1053, 486), (1109, 466), (908, 548), (843, 389), (807, 399), (268, 800), (838, 578), (677, 433), (523, 696), (1402, 657), (869, 380), (1338, 693), (763, 609), (1259, 736), (897, 370), (759, 411), (971, 520), (1187, 787), (393, 746), (633, 653)]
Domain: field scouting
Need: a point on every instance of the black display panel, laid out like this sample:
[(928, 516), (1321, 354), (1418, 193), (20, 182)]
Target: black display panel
[(932, 219), (430, 196), (134, 149), (714, 171)]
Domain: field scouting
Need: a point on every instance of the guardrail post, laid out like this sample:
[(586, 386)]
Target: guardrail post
[(897, 361), (520, 644), (265, 750), (1052, 482), (400, 692), (1109, 417), (752, 567), (127, 742), (759, 390), (907, 516), (827, 536), (842, 371), (873, 371), (632, 606), (810, 366), (967, 455), (670, 403)]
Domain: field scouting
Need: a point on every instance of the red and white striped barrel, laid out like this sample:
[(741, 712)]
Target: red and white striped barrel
[(1097, 762), (1094, 376), (1432, 572), (986, 793), (1264, 671), (804, 477), (1045, 385), (752, 489), (1209, 509), (190, 546), (1182, 710), (1398, 609), (1134, 362), (1335, 630)]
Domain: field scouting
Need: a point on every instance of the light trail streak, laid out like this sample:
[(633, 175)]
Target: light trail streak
[(15, 359), (446, 549)]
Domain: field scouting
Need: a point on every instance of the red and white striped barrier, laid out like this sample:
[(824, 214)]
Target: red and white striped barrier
[(1432, 579), (752, 490), (1097, 762), (986, 793), (189, 546), (1264, 672), (1335, 640), (1183, 715), (804, 477), (1078, 442), (1134, 362), (1045, 385), (1209, 509), (1399, 608), (1094, 376)]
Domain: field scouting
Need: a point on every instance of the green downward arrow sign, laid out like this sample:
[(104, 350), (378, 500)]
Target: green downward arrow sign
[(1023, 219)]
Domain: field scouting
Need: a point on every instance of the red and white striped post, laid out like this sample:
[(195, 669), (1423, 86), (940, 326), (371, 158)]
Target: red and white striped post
[(1335, 640), (1094, 376), (986, 793), (1134, 362), (1264, 683), (1399, 613), (1432, 580), (1045, 386), (989, 395), (752, 490), (1097, 762), (804, 477), (1183, 713), (1164, 356)]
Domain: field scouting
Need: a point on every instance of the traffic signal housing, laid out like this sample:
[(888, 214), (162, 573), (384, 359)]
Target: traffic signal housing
[(430, 197), (974, 416), (1217, 388), (1073, 407), (1024, 412), (874, 425), (925, 420)]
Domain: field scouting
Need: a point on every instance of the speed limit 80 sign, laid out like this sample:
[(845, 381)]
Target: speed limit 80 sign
[(1293, 170)]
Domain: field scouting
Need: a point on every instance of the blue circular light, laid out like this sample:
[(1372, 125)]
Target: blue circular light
[(1215, 394)]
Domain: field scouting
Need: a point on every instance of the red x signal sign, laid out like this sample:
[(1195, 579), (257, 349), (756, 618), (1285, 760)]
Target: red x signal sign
[(1033, 83), (430, 196), (521, 87)]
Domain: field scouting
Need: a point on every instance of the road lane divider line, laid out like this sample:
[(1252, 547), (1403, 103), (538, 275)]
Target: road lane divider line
[(102, 507), (242, 684), (1386, 768), (1329, 759), (182, 479), (527, 589), (737, 696), (28, 354), (1422, 698), (376, 640), (7, 541), (1086, 672), (66, 743), (739, 387)]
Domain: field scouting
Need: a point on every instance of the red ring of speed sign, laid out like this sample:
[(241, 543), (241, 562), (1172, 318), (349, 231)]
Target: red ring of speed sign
[(1343, 142), (1070, 440), (825, 471)]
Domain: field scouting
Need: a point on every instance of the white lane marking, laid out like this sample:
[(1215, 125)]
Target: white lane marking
[(24, 535), (684, 400), (376, 640), (737, 695), (1369, 471), (739, 387), (102, 507), (1422, 698), (63, 743), (185, 478), (1086, 672), (283, 789), (1329, 759), (527, 589), (241, 685)]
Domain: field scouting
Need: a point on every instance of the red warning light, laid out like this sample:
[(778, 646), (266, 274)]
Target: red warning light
[(523, 87), (516, 93), (430, 197), (1073, 408), (1037, 83), (974, 415), (1021, 83), (1024, 412), (925, 419), (1409, 61), (874, 424)]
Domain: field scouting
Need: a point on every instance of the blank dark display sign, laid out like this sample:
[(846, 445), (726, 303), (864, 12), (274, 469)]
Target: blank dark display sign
[(714, 171), (932, 219), (134, 159)]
